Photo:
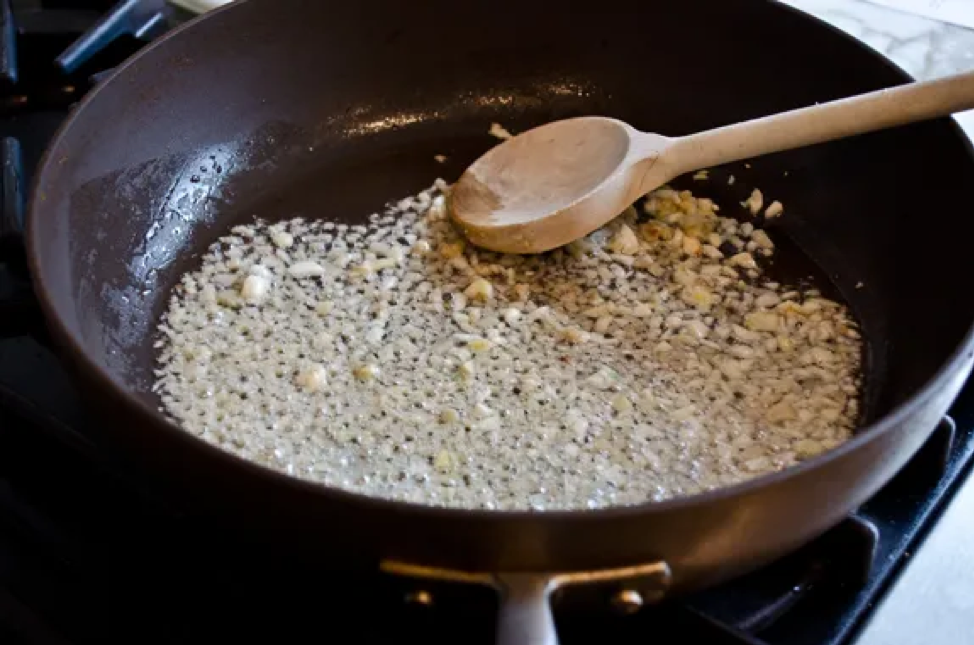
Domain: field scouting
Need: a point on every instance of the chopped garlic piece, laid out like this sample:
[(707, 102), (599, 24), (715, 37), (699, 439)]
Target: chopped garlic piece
[(691, 246), (712, 252), (443, 462), (481, 411), (282, 240), (743, 260), (767, 300), (624, 242), (385, 263), (306, 269), (363, 270), (732, 369), (621, 403), (230, 299), (497, 130), (260, 271), (762, 321), (698, 329), (255, 289), (466, 370), (451, 250), (761, 239), (512, 315), (653, 230), (699, 296), (480, 290), (782, 411), (312, 379), (774, 210), (479, 345), (365, 372), (574, 335), (437, 210), (754, 202)]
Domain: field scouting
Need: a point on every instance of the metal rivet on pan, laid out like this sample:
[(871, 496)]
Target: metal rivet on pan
[(420, 597), (627, 601)]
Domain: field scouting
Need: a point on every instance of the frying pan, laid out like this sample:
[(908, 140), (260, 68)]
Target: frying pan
[(282, 108)]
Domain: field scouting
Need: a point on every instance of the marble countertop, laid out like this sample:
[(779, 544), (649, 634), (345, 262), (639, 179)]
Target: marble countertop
[(924, 48)]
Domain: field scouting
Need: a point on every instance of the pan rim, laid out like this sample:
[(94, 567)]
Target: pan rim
[(77, 353)]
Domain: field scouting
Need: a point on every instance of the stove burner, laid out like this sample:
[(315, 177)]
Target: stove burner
[(89, 555)]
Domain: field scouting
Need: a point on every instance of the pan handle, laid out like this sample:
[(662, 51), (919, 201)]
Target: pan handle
[(525, 614)]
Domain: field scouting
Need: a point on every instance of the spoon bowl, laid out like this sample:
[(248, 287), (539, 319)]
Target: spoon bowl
[(580, 172)]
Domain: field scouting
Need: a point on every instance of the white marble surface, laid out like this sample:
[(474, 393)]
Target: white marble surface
[(922, 47)]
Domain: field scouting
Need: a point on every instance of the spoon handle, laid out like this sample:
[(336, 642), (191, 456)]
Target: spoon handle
[(819, 123)]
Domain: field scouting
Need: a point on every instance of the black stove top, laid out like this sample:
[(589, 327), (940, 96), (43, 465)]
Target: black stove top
[(87, 555)]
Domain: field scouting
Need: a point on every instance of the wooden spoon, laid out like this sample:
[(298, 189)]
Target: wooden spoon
[(561, 181)]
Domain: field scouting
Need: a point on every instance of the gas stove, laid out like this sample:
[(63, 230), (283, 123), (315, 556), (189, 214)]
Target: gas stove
[(90, 555)]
